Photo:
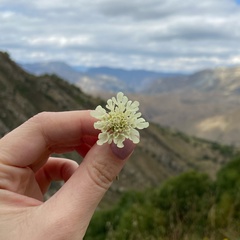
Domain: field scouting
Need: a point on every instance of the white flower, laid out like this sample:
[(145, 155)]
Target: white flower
[(119, 122)]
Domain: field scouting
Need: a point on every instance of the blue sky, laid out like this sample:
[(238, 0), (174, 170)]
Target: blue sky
[(161, 35)]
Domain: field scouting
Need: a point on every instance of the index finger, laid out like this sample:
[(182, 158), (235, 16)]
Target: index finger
[(31, 143)]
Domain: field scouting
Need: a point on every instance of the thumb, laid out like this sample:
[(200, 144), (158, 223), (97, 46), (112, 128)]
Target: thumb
[(77, 200)]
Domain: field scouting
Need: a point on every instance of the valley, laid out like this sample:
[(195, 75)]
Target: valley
[(204, 104)]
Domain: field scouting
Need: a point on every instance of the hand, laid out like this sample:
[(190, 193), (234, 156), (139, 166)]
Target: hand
[(26, 171)]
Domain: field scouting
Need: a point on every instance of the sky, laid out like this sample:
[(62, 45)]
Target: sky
[(159, 35)]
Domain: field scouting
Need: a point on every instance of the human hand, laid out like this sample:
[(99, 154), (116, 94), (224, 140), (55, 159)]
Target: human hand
[(26, 171)]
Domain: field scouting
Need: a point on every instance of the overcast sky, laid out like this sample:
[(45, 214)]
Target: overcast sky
[(161, 35)]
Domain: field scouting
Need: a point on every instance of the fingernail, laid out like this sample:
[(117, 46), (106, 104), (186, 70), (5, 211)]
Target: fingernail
[(124, 152)]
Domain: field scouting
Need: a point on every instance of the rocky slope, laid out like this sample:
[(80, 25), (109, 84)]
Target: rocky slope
[(23, 95)]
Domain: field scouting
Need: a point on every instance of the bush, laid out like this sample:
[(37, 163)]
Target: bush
[(189, 206), (186, 200), (228, 195), (105, 222)]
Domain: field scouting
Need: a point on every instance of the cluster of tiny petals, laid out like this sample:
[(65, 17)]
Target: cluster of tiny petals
[(119, 122)]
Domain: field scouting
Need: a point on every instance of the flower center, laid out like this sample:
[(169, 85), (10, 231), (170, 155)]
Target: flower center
[(117, 122)]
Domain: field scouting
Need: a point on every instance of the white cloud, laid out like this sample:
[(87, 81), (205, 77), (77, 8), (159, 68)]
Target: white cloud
[(166, 35), (58, 41)]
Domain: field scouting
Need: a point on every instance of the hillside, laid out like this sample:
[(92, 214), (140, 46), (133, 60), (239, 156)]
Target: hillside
[(204, 104), (224, 80), (162, 152), (189, 206), (23, 95)]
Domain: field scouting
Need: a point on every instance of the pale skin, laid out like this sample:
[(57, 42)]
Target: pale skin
[(27, 169)]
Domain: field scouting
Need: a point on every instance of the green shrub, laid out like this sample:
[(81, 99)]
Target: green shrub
[(186, 200), (228, 194), (189, 206)]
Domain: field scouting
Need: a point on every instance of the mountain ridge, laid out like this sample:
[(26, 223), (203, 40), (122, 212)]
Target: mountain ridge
[(204, 80), (142, 81), (203, 104), (101, 78)]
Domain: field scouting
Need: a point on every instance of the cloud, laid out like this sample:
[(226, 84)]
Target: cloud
[(167, 35)]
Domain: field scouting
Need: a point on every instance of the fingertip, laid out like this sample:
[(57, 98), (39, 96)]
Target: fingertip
[(125, 152)]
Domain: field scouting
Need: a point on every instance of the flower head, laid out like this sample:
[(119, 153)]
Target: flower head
[(119, 121)]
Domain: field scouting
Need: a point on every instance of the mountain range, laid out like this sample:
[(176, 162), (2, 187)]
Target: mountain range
[(162, 152), (99, 79), (203, 104)]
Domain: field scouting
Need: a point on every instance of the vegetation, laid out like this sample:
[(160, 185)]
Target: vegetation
[(189, 206)]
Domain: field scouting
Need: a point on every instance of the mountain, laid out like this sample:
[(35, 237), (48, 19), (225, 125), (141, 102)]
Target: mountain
[(135, 80), (22, 95), (224, 80), (161, 153), (204, 104), (90, 82), (99, 79), (59, 68)]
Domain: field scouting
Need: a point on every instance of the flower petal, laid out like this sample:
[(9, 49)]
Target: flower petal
[(102, 138), (119, 140), (120, 96), (98, 113), (134, 136), (141, 123), (99, 125), (110, 105)]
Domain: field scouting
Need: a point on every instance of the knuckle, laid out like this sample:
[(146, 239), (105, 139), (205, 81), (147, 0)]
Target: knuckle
[(39, 122), (40, 117), (101, 174), (15, 179)]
